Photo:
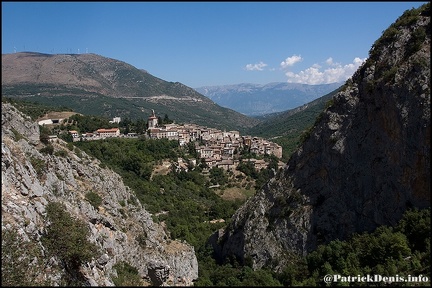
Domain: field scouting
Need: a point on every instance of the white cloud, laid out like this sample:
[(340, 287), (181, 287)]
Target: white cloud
[(290, 61), (335, 73), (255, 67), (329, 61), (358, 61)]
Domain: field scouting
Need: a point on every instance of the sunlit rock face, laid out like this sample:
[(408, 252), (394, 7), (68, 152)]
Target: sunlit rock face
[(121, 228)]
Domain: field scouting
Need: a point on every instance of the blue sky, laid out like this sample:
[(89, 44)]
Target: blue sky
[(208, 43)]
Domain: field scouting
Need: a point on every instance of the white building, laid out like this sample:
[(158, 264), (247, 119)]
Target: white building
[(115, 120)]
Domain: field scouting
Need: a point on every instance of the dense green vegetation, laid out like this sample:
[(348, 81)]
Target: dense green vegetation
[(88, 123), (94, 199), (402, 250), (34, 109), (388, 251)]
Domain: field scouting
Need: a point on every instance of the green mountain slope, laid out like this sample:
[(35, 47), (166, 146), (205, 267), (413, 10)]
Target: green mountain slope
[(92, 84)]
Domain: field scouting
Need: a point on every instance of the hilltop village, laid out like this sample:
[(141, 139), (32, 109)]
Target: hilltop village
[(217, 148)]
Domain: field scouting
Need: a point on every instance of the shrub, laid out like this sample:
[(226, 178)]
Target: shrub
[(44, 134), (141, 239), (48, 149), (80, 155), (66, 137), (61, 153), (94, 199), (127, 275), (329, 103), (306, 134), (389, 74), (417, 39), (66, 239), (70, 146)]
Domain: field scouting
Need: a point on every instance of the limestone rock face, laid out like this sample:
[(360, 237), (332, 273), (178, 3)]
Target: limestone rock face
[(365, 161), (120, 226), (12, 126), (158, 273)]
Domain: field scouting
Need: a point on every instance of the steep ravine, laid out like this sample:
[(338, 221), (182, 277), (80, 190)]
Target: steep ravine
[(365, 161)]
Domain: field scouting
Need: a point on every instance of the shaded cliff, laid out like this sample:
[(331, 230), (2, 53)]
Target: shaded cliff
[(364, 162), (122, 230)]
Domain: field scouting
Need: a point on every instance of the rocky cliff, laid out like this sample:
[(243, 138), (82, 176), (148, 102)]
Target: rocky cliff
[(120, 227), (364, 162)]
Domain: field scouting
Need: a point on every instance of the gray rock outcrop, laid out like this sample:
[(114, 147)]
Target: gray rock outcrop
[(365, 161), (120, 226)]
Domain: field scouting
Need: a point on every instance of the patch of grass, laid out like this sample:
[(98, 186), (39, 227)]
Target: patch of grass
[(235, 193)]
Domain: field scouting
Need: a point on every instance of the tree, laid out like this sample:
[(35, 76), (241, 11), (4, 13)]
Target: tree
[(44, 134), (166, 120), (218, 176), (416, 225)]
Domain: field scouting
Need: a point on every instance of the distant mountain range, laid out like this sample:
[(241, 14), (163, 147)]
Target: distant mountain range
[(256, 100)]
